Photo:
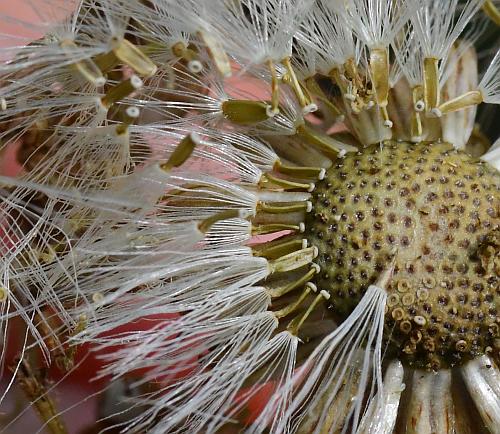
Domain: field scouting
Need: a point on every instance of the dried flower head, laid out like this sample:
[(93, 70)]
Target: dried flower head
[(294, 194)]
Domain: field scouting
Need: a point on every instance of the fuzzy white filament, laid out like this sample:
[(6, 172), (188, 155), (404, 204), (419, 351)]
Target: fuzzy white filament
[(438, 27), (150, 176), (490, 82), (339, 371), (321, 31)]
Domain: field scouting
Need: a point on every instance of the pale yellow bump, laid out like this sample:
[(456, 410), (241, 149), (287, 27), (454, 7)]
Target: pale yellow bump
[(398, 314), (48, 256), (422, 294), (403, 285), (408, 299), (420, 320), (461, 345), (429, 282), (405, 326), (392, 300), (4, 294), (97, 297)]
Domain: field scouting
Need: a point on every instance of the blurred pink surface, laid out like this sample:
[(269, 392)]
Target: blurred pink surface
[(23, 20)]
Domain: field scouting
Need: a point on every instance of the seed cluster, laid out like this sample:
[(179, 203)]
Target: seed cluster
[(437, 210)]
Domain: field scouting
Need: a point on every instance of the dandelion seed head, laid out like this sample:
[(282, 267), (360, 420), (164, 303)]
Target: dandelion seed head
[(298, 248)]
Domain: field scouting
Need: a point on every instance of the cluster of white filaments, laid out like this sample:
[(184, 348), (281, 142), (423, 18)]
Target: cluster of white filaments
[(169, 149)]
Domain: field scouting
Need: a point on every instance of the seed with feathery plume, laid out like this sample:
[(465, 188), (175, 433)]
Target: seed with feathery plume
[(296, 195)]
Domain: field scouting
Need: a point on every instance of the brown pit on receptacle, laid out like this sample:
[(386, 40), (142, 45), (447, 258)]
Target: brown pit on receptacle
[(438, 209)]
